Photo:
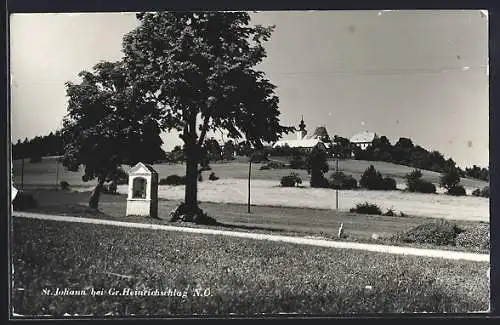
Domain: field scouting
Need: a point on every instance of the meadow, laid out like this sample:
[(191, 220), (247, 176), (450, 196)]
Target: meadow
[(45, 172), (265, 189)]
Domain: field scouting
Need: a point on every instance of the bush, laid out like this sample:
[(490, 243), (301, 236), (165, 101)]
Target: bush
[(273, 164), (477, 236), (173, 180), (484, 192), (35, 159), (297, 162), (457, 190), (388, 184), (199, 217), (291, 180), (373, 180), (450, 179), (390, 213), (415, 183), (24, 201), (64, 185), (319, 181), (423, 186), (367, 208), (436, 233), (212, 177), (341, 181)]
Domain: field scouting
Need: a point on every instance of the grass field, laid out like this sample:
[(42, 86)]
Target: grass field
[(232, 188), (267, 192), (239, 276), (266, 219), (45, 172)]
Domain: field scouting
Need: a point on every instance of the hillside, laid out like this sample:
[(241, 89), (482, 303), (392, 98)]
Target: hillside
[(45, 172)]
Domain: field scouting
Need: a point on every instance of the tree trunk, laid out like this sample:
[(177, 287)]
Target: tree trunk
[(96, 194), (191, 194)]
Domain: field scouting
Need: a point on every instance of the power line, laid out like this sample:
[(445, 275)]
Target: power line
[(377, 72)]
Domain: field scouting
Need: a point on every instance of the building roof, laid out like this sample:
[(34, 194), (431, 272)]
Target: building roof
[(141, 168), (363, 137), (320, 132), (305, 143)]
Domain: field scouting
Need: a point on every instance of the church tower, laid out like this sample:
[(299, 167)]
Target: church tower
[(301, 133)]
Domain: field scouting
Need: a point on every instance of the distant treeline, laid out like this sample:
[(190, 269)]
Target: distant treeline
[(404, 152), (39, 146)]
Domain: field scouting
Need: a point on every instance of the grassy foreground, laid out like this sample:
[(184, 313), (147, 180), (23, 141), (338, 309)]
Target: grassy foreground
[(233, 275)]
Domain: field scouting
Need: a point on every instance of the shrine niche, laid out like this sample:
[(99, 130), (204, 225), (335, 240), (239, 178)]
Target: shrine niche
[(142, 197)]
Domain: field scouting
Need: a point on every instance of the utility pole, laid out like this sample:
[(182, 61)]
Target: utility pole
[(337, 188), (249, 175), (57, 172), (22, 173)]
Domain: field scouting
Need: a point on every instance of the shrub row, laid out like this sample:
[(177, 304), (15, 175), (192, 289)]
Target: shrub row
[(176, 180), (173, 180), (371, 180), (273, 164)]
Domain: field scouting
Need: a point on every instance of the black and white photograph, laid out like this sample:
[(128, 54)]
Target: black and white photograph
[(249, 163)]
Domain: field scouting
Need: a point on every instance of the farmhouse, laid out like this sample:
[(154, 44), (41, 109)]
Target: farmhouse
[(319, 138), (363, 139)]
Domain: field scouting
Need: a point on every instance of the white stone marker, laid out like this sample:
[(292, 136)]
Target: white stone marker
[(142, 191)]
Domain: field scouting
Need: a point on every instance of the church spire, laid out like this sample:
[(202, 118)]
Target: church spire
[(302, 125)]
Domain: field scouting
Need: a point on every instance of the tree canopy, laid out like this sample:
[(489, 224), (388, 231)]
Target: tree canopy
[(198, 70), (108, 124)]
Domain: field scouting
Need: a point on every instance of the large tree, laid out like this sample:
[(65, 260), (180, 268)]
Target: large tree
[(199, 70), (108, 124)]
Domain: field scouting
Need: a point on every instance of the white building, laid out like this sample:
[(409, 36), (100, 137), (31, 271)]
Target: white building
[(363, 139), (304, 142)]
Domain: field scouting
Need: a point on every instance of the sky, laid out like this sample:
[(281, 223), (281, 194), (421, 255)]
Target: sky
[(415, 74)]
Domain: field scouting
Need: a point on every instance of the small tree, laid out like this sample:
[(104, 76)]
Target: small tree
[(371, 178), (229, 150), (317, 165), (450, 179), (415, 183), (412, 180)]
